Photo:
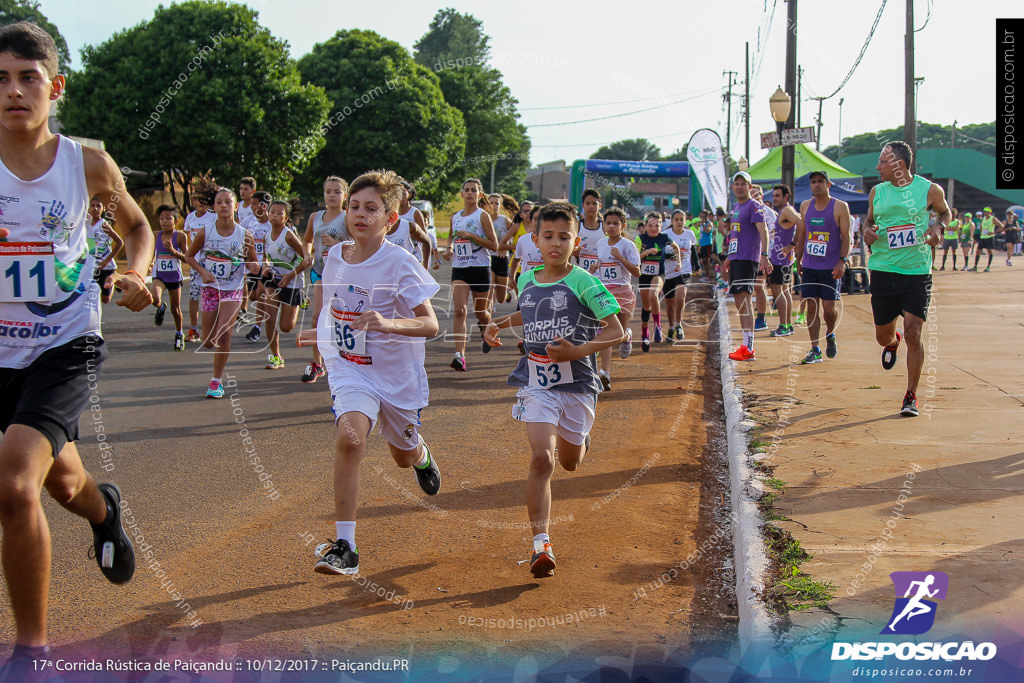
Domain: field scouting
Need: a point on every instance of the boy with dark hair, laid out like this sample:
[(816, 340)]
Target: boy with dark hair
[(567, 316), (43, 376)]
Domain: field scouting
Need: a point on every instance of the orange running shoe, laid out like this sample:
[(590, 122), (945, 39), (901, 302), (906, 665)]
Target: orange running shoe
[(742, 353)]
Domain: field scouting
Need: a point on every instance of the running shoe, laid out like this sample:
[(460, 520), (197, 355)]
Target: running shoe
[(760, 324), (742, 353), (831, 348), (645, 345), (179, 341), (942, 268), (974, 269), (110, 544), (274, 362), (671, 332), (606, 380), (909, 405), (543, 561), (679, 333), (158, 317), (800, 319), (312, 372), (658, 336), (305, 302), (813, 356), (28, 665), (429, 477), (626, 347), (1008, 262), (889, 352), (336, 558), (254, 334), (216, 390), (484, 346), (987, 269), (192, 336), (458, 363), (779, 331)]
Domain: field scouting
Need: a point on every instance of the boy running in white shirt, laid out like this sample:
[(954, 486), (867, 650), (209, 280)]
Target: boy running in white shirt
[(372, 333), (567, 316)]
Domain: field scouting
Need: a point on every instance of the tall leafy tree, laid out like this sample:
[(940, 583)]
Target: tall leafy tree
[(928, 135), (637, 149), (389, 112), (456, 49), (201, 86), (12, 11)]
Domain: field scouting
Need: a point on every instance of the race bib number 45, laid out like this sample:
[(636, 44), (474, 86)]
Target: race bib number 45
[(545, 374), (901, 236), (609, 272), (27, 270)]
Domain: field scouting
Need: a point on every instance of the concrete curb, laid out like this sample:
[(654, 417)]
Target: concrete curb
[(749, 556)]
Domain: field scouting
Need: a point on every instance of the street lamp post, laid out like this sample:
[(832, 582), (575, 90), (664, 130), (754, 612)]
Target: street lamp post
[(781, 105), (841, 99)]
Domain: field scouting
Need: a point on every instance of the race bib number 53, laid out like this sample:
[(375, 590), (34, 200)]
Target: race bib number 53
[(27, 270), (901, 236), (545, 374)]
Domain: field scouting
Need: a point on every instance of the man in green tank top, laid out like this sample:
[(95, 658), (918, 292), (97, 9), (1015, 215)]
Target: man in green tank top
[(949, 239), (900, 264)]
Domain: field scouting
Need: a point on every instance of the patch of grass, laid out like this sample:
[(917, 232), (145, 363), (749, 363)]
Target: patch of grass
[(775, 483), (873, 386), (757, 443), (805, 592), (791, 589)]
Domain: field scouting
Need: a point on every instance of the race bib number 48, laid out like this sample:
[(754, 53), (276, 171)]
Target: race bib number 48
[(28, 272), (902, 236), (649, 268), (545, 374)]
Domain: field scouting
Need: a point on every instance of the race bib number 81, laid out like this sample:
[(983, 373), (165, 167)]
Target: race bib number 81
[(27, 270)]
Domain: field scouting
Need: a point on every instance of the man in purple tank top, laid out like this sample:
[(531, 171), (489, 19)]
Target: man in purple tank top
[(822, 245), (783, 241), (746, 248)]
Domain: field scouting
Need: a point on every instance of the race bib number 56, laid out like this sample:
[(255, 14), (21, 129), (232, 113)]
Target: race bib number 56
[(27, 270), (350, 341)]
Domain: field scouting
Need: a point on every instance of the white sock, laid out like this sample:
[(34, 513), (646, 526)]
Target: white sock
[(540, 539), (748, 339), (346, 531), (424, 459), (215, 379)]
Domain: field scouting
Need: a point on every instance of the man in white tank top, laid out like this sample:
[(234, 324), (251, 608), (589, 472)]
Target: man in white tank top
[(50, 345)]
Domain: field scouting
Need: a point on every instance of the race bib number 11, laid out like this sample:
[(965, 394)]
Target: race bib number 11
[(27, 270)]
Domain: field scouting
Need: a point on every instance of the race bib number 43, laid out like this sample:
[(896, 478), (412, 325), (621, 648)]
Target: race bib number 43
[(545, 374), (902, 236), (28, 272)]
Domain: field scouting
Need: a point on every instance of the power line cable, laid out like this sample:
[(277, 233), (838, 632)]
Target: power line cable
[(628, 113), (603, 104), (862, 51)]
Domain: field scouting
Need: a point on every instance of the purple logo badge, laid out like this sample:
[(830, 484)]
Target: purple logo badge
[(914, 611)]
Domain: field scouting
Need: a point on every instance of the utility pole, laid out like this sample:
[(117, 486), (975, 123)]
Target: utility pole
[(492, 177), (788, 152), (909, 100), (817, 142), (841, 100), (952, 183), (799, 82), (746, 101), (728, 112)]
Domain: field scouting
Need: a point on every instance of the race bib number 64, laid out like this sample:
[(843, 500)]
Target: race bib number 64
[(27, 272)]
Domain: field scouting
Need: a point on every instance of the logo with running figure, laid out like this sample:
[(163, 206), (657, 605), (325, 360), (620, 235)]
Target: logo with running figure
[(913, 613)]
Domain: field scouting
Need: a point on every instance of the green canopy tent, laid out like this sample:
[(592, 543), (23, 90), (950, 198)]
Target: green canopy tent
[(768, 171)]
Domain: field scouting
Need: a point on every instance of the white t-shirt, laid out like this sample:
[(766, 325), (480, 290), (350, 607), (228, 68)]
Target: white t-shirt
[(609, 270), (682, 242), (259, 234), (194, 223), (528, 253), (244, 212), (466, 253), (500, 228), (589, 240), (393, 283), (403, 237)]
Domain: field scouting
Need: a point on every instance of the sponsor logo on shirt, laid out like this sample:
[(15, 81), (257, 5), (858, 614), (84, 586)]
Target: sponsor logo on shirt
[(527, 301)]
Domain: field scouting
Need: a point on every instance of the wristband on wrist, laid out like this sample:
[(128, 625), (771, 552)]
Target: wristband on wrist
[(136, 274)]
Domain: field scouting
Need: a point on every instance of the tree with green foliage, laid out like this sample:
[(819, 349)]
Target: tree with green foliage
[(13, 11), (201, 86), (977, 136), (637, 149), (456, 49), (389, 113)]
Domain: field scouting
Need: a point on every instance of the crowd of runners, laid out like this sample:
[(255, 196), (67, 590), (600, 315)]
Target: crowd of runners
[(73, 237)]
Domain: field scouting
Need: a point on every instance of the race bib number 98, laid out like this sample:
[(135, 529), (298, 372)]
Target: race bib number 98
[(587, 261), (27, 270), (902, 236)]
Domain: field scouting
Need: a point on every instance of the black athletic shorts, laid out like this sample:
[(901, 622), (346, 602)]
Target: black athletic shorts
[(499, 266), (670, 285), (170, 286), (286, 296), (893, 294), (50, 394), (818, 283), (707, 250), (742, 276), (647, 281), (780, 275), (477, 277), (986, 243), (1011, 237), (101, 279)]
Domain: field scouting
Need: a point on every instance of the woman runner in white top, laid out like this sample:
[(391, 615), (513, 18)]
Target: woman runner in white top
[(201, 197), (106, 245), (471, 235), (618, 260), (323, 230), (418, 225), (282, 281), (503, 229), (226, 249), (258, 225), (678, 269)]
